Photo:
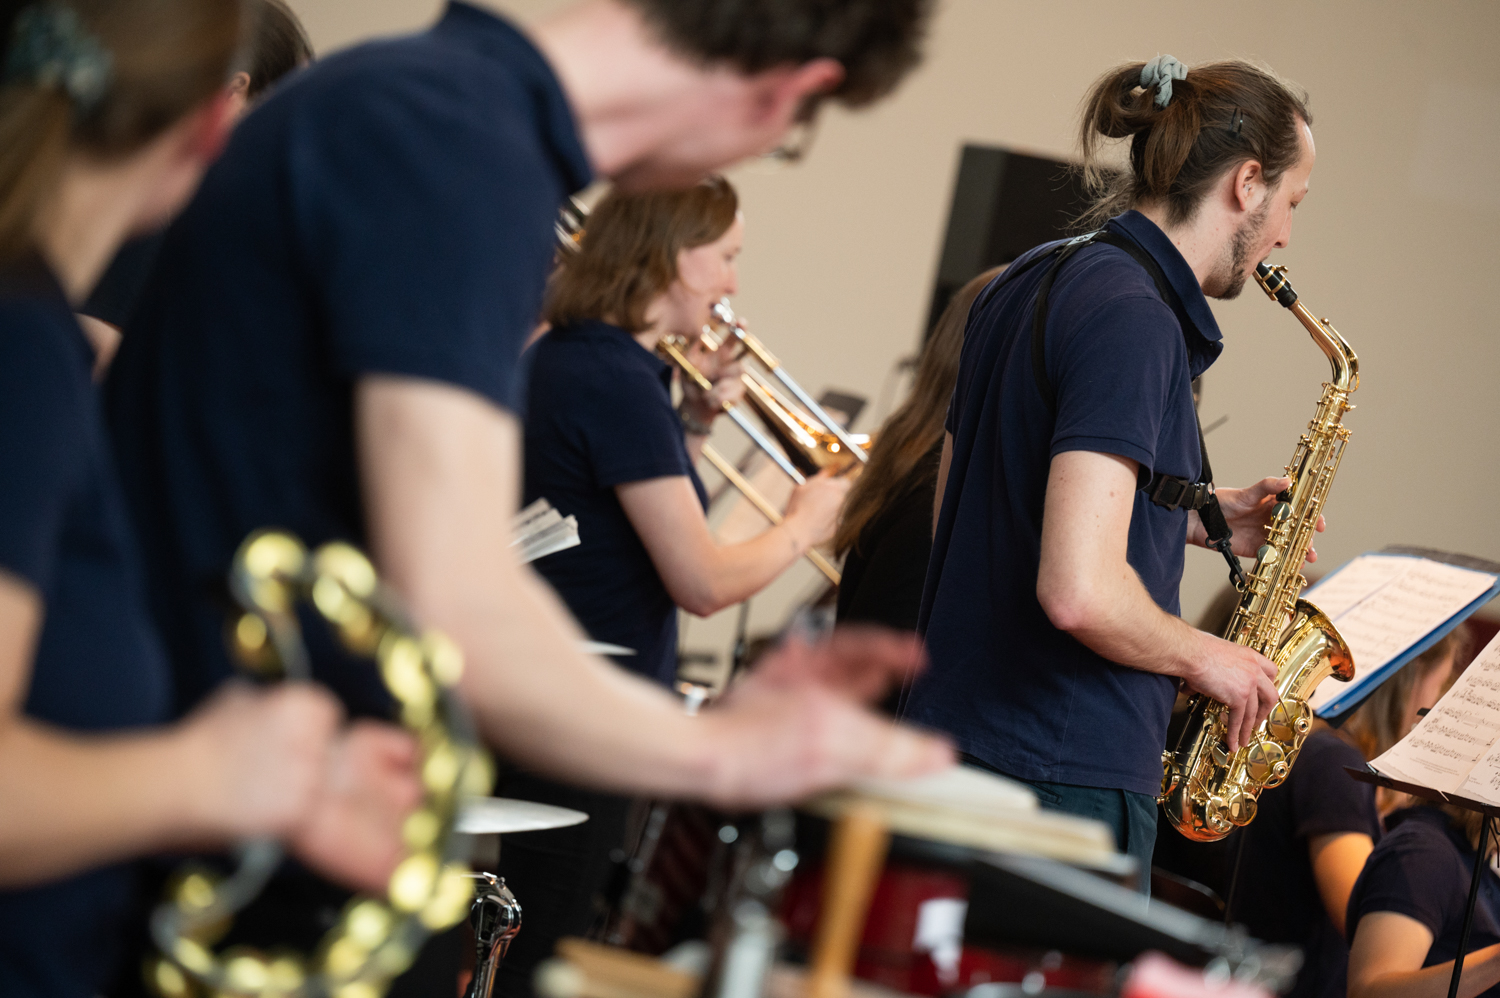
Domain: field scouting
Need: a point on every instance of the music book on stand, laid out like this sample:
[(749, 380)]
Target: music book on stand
[(1455, 749), (1391, 606)]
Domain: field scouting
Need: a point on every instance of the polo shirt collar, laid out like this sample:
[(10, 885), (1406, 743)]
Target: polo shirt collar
[(494, 36), (600, 331), (1191, 304)]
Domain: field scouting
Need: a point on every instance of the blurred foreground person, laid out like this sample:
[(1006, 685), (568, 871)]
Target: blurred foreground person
[(276, 47), (331, 344), (109, 112)]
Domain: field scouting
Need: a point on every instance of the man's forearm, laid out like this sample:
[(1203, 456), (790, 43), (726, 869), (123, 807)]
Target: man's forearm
[(545, 704), (1121, 622)]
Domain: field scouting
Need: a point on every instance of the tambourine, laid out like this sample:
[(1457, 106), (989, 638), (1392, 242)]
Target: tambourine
[(375, 939)]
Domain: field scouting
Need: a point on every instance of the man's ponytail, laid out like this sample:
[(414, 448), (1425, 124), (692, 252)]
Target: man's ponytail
[(1217, 116)]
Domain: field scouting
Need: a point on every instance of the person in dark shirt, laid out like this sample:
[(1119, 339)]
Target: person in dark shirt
[(277, 46), (1298, 860), (885, 532), (331, 343), (605, 444), (1406, 911), (1051, 605), (90, 772)]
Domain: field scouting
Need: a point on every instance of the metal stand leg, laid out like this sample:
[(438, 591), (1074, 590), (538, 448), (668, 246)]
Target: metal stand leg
[(1463, 939)]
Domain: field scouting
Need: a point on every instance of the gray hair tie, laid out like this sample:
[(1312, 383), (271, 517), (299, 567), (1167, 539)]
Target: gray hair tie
[(1159, 73), (51, 47)]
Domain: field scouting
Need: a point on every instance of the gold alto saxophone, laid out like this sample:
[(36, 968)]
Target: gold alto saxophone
[(1205, 789)]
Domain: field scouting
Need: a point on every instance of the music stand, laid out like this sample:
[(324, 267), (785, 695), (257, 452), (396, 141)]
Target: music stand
[(1488, 810)]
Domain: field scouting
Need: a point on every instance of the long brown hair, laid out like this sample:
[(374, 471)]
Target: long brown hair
[(1382, 720), (165, 58), (917, 426), (1222, 114), (628, 255)]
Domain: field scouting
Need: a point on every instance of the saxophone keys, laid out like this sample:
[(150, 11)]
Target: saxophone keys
[(1241, 807), (1266, 764)]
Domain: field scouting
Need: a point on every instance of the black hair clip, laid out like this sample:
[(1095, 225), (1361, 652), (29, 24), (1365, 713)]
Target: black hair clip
[(1236, 122)]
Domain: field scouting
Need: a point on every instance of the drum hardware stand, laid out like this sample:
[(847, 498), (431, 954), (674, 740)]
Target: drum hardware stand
[(745, 934), (496, 919)]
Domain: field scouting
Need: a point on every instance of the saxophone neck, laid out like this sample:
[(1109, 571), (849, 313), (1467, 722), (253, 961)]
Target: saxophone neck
[(1341, 356)]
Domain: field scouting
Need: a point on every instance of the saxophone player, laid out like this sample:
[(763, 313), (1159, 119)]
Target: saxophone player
[(1071, 464)]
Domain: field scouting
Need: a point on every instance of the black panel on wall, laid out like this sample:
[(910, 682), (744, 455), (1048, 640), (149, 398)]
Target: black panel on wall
[(1004, 203)]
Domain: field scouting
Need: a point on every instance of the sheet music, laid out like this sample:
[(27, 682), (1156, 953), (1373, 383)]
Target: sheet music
[(1384, 604), (541, 530), (1453, 748)]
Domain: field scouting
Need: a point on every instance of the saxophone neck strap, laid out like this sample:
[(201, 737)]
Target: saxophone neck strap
[(1167, 491)]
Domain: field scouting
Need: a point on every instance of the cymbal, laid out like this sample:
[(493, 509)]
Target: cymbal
[(491, 815)]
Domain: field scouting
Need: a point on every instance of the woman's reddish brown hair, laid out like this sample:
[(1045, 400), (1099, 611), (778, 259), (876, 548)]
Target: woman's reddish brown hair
[(628, 255)]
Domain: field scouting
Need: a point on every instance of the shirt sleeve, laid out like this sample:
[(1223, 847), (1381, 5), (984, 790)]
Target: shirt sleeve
[(426, 225), (1416, 875), (1113, 374), (42, 443), (632, 432), (1327, 800)]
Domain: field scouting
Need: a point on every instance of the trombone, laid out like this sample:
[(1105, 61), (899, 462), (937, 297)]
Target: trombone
[(800, 443)]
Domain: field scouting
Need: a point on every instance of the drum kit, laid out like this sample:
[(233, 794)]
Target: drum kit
[(957, 883), (952, 884)]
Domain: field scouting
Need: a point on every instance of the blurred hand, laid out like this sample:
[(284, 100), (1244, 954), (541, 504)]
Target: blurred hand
[(262, 756), (721, 368), (812, 513), (352, 833), (794, 727), (1241, 679), (1248, 513)]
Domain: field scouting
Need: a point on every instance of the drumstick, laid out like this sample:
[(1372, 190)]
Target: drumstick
[(856, 854)]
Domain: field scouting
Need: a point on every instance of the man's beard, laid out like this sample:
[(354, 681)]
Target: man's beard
[(1229, 280)]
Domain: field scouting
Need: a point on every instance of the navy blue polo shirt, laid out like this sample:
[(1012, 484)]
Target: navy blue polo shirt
[(1009, 687), (1280, 903), (1422, 869), (387, 211), (600, 415), (98, 666)]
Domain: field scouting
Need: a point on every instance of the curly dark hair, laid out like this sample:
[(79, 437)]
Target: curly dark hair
[(877, 41)]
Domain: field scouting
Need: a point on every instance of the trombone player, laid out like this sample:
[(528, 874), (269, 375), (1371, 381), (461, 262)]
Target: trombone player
[(604, 443)]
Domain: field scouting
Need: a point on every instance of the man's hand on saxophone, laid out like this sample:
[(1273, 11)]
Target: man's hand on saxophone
[(1087, 588), (1248, 511)]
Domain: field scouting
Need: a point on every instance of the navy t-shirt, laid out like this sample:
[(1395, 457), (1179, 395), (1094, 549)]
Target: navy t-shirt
[(1011, 689), (97, 666), (1276, 896), (389, 210), (600, 415), (1422, 869)]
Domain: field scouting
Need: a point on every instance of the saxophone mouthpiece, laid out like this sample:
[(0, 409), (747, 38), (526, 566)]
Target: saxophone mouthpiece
[(1273, 281)]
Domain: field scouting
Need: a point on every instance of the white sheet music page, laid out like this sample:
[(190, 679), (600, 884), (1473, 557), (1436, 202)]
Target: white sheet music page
[(1384, 604), (1452, 749)]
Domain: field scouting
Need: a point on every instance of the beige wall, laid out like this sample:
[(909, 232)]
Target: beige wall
[(1398, 243)]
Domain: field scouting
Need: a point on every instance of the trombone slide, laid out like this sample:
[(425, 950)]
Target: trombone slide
[(770, 512)]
